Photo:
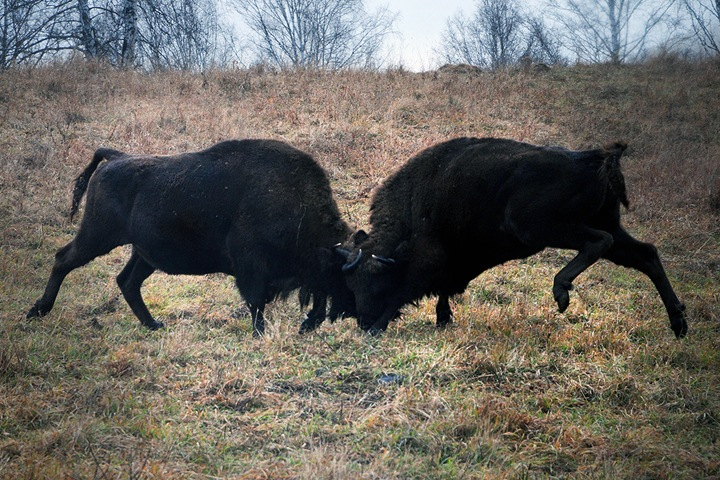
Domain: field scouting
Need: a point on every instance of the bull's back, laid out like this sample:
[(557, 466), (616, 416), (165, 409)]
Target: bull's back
[(229, 179), (185, 213), (482, 192)]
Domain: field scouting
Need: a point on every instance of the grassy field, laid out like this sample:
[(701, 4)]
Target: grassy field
[(512, 390)]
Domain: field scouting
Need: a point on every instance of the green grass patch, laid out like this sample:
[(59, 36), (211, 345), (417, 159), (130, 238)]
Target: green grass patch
[(512, 389)]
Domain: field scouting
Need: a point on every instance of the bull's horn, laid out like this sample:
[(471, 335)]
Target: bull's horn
[(349, 267), (384, 260), (343, 252)]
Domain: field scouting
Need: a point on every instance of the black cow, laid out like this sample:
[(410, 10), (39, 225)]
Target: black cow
[(259, 210), (463, 206)]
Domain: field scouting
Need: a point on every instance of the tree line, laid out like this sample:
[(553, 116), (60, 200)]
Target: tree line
[(336, 34), (501, 33)]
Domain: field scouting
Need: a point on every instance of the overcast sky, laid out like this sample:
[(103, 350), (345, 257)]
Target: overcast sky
[(421, 24)]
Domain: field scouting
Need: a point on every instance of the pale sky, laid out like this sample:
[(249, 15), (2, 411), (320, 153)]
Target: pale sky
[(421, 24)]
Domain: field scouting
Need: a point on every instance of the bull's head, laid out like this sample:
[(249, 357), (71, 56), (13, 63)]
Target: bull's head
[(375, 279)]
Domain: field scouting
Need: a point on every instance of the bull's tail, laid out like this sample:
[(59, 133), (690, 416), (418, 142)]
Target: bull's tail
[(81, 182), (610, 169)]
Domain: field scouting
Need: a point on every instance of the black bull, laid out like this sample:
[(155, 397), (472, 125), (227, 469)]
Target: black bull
[(258, 210), (463, 206)]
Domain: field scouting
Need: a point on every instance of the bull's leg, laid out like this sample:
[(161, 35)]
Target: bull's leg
[(629, 252), (257, 310), (255, 289), (130, 280), (316, 315), (443, 311), (392, 312), (591, 244), (81, 250)]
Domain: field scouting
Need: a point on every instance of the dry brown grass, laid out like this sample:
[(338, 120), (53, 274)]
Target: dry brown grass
[(513, 389)]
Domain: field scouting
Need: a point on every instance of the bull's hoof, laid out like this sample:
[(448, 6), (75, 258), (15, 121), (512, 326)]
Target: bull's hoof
[(562, 295), (681, 331), (680, 327), (307, 326), (155, 325), (444, 318), (443, 321), (35, 312), (563, 301), (377, 328), (374, 331)]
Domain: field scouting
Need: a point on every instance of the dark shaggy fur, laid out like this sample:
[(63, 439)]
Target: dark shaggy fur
[(461, 207), (259, 210)]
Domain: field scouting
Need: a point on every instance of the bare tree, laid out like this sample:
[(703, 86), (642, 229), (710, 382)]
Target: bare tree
[(542, 46), (129, 42), (498, 35), (150, 34), (613, 31), (156, 34), (30, 30), (705, 18), (87, 33), (316, 33), (182, 34), (95, 28)]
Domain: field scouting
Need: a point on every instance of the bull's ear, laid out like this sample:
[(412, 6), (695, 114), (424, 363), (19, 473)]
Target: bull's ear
[(359, 238)]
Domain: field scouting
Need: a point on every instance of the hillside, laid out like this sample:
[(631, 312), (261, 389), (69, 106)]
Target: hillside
[(512, 389)]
